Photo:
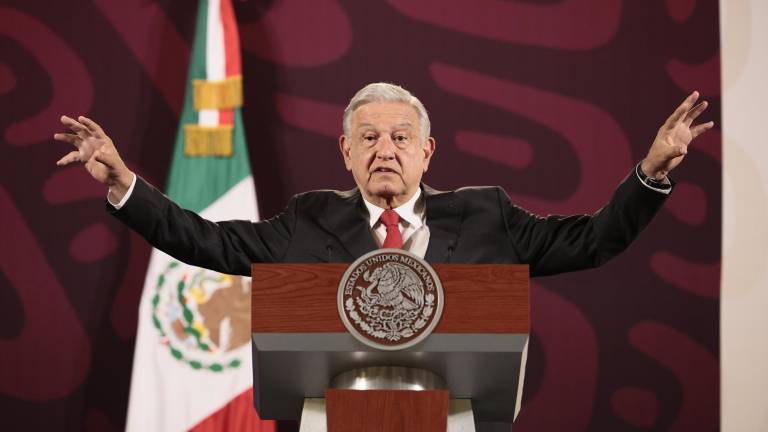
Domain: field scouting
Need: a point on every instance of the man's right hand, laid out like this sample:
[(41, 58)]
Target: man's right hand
[(96, 151)]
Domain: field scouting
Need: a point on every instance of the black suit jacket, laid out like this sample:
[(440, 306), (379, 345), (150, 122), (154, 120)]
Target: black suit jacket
[(468, 225)]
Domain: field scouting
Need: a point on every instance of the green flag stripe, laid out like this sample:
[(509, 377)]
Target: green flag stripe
[(196, 182)]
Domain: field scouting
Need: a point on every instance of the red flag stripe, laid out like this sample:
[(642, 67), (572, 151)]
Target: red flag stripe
[(238, 415), (231, 52)]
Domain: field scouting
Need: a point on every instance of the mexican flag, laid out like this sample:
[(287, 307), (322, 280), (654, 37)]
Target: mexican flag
[(192, 364)]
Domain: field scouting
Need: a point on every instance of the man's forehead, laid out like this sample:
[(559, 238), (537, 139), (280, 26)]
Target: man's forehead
[(393, 113)]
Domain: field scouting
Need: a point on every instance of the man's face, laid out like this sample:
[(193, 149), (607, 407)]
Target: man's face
[(385, 152)]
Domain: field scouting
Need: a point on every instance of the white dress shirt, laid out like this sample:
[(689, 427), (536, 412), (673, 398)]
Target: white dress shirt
[(413, 224), (125, 197)]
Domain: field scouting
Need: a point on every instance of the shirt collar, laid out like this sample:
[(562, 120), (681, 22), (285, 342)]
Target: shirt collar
[(411, 211)]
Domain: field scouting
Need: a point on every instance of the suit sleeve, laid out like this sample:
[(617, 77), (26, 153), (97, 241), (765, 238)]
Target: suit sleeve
[(227, 247), (557, 244)]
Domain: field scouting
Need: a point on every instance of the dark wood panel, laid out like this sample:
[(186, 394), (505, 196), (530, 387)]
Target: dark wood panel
[(301, 298), (386, 410), (484, 298), (295, 298)]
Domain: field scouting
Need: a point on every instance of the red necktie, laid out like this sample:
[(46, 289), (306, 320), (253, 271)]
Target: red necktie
[(394, 239)]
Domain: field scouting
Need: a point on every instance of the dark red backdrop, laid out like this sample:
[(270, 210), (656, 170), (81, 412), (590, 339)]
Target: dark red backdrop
[(554, 100)]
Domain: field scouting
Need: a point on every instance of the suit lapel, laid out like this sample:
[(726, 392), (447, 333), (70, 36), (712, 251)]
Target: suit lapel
[(349, 223), (444, 222)]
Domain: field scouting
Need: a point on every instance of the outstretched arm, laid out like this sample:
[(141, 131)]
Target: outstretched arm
[(557, 244), (229, 246)]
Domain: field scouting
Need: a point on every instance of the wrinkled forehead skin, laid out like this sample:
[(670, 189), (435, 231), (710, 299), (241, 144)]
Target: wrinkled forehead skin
[(375, 110)]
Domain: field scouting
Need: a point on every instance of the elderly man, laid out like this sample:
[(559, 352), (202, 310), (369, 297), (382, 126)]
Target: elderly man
[(387, 147)]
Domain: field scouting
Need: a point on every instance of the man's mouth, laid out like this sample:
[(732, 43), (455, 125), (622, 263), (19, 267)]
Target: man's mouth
[(383, 170)]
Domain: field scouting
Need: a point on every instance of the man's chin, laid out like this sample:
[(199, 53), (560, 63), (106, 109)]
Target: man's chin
[(386, 190)]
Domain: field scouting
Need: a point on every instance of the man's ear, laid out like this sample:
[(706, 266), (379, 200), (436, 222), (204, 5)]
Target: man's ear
[(429, 150), (344, 147)]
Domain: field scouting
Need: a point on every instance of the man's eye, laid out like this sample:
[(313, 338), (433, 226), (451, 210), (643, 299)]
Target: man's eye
[(369, 138), (401, 138)]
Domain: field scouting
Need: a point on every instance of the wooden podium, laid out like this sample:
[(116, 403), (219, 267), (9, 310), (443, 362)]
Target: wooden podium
[(300, 345)]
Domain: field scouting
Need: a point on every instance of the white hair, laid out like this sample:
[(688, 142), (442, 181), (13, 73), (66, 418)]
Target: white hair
[(385, 92)]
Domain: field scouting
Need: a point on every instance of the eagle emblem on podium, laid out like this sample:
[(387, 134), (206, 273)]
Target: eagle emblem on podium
[(390, 299)]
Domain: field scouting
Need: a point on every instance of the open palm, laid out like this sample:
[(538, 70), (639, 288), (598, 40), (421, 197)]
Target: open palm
[(93, 148), (671, 143)]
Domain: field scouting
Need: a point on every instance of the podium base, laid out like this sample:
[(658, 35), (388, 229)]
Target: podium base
[(313, 416)]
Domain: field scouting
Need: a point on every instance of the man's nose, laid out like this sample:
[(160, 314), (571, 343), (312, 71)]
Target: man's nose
[(385, 148)]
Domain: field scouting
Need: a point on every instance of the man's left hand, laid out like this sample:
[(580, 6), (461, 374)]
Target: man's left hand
[(671, 143)]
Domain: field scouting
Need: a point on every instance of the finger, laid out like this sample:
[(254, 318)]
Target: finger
[(701, 128), (695, 112), (69, 122), (73, 156), (68, 138), (92, 126), (75, 126), (683, 108)]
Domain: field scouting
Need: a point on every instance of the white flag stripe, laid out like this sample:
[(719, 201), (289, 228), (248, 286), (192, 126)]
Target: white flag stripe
[(208, 117), (215, 63), (214, 53)]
